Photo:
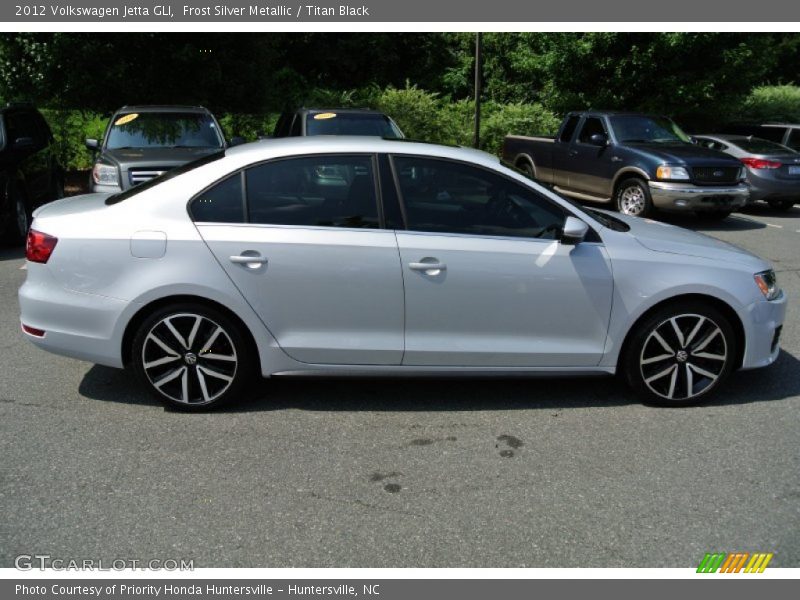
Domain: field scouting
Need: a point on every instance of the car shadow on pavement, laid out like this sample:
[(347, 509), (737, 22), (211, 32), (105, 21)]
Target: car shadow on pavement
[(762, 209), (777, 382), (11, 253), (733, 223)]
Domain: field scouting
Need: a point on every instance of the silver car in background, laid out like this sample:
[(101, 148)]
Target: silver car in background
[(362, 256), (773, 170)]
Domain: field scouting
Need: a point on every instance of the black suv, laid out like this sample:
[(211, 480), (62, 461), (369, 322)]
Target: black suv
[(30, 173), (336, 121)]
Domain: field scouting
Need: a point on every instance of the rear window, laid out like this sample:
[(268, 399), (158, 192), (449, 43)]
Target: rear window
[(332, 123), (143, 187), (760, 146)]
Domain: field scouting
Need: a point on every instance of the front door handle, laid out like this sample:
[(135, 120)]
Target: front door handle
[(573, 153), (252, 262)]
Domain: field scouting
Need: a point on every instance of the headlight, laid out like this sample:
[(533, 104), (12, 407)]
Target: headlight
[(768, 284), (667, 172), (104, 174)]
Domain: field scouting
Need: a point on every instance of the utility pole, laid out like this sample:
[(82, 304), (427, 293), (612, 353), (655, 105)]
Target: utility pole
[(476, 141)]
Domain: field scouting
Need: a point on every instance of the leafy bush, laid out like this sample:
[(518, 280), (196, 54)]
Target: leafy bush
[(70, 130), (772, 103), (519, 119)]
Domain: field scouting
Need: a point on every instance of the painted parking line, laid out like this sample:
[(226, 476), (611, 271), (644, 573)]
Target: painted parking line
[(773, 225)]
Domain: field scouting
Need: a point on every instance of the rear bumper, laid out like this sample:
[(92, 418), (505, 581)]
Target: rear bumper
[(764, 189), (686, 196)]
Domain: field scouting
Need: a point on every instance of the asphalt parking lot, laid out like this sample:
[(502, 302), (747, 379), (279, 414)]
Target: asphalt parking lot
[(410, 473)]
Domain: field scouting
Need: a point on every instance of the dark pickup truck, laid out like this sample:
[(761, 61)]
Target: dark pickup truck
[(637, 162)]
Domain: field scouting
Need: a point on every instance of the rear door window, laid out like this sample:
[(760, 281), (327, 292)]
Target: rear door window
[(322, 191), (794, 139)]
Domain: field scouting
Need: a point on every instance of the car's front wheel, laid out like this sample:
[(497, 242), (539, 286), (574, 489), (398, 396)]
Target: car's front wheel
[(680, 354), (192, 357)]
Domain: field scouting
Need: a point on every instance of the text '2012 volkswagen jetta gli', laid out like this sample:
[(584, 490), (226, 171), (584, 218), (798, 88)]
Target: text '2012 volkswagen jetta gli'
[(368, 256)]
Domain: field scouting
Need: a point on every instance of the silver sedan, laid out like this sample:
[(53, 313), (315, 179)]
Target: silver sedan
[(772, 170), (362, 256)]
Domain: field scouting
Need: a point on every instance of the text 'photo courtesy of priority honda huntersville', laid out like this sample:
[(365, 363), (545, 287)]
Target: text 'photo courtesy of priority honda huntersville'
[(363, 256)]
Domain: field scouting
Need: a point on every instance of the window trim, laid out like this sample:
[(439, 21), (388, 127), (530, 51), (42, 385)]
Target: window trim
[(567, 213)]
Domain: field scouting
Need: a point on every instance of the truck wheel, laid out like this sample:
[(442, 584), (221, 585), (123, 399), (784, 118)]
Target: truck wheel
[(526, 168), (633, 198)]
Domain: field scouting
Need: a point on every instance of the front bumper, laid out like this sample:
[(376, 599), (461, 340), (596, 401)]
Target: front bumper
[(763, 321), (687, 196)]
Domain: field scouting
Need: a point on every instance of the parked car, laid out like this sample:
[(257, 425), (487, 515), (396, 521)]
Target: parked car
[(413, 259), (143, 142), (786, 134), (773, 170), (336, 121), (637, 163), (30, 173)]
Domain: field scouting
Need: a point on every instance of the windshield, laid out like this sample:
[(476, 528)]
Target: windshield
[(163, 130), (637, 128), (329, 123), (172, 173)]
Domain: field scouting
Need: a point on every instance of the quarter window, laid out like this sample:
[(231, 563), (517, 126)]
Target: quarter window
[(330, 191), (794, 139), (450, 197), (221, 203)]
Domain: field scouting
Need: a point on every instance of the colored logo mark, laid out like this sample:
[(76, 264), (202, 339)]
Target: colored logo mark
[(735, 562)]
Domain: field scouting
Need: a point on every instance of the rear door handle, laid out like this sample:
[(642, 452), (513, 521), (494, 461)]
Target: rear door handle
[(427, 266), (246, 260)]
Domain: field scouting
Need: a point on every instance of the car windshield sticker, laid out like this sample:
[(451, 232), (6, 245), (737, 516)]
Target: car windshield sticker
[(126, 119), (321, 116)]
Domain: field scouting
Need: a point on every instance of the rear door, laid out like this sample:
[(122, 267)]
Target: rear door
[(561, 151), (310, 257)]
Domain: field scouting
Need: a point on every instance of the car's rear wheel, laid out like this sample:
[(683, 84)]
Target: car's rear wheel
[(680, 354), (633, 198), (781, 204), (192, 356)]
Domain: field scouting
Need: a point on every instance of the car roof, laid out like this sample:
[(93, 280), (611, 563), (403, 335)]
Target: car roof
[(614, 113), (344, 111), (344, 144), (163, 108), (733, 137)]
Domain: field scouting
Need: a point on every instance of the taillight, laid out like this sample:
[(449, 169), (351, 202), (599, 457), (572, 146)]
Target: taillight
[(760, 163), (39, 246)]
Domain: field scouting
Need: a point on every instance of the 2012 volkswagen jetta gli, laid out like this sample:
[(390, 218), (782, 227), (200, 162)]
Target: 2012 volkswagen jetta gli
[(376, 257)]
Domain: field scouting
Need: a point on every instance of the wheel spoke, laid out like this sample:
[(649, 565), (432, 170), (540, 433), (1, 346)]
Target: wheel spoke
[(203, 387), (658, 358), (169, 377), (212, 338), (161, 361), (702, 345), (709, 356), (193, 333), (177, 335), (694, 332), (185, 385), (672, 381), (702, 372), (663, 343), (677, 331), (689, 381), (231, 358), (163, 345), (661, 374), (214, 373)]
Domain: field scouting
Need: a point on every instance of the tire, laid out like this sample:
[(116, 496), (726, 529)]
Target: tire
[(694, 367), (193, 372), (713, 215), (633, 198), (783, 205), (19, 218), (526, 168)]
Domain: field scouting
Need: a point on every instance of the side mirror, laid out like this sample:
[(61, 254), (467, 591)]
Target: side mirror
[(23, 143), (92, 144), (693, 139), (236, 141), (264, 136), (574, 231), (598, 139)]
